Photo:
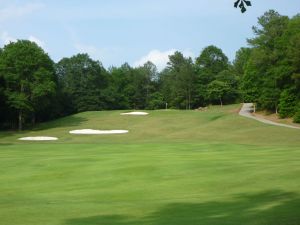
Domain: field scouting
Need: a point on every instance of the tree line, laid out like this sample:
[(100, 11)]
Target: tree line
[(33, 88)]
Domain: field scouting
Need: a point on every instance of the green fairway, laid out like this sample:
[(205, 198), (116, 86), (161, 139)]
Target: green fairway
[(172, 168)]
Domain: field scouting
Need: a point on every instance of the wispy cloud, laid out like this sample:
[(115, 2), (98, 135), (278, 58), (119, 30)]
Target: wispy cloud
[(14, 11), (160, 58)]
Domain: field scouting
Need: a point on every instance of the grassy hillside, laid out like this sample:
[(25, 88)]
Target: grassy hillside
[(173, 167), (217, 125)]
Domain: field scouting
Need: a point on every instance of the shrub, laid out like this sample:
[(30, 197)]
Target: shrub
[(287, 103), (297, 114)]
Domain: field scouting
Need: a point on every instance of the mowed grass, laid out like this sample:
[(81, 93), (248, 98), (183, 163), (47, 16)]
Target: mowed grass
[(172, 168)]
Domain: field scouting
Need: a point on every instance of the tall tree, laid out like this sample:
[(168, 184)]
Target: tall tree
[(231, 80), (212, 60), (271, 74), (179, 81), (217, 90), (209, 64), (266, 59), (29, 77), (241, 58), (144, 81), (83, 80), (3, 107)]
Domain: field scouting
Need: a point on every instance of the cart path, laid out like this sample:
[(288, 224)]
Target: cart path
[(247, 110)]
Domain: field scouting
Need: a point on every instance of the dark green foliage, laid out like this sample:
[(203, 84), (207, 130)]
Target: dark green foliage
[(241, 58), (82, 80), (242, 4), (217, 81), (287, 103), (229, 78), (270, 69), (178, 82), (217, 90), (29, 79), (131, 87), (212, 61), (297, 114), (156, 101)]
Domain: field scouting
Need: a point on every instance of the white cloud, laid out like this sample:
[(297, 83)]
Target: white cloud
[(160, 58), (6, 38), (14, 11), (37, 41)]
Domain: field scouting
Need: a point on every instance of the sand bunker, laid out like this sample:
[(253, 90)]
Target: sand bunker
[(38, 138), (135, 113), (91, 131)]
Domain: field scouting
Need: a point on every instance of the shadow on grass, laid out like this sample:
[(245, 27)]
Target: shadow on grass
[(5, 144), (69, 121), (216, 117), (4, 134), (267, 208)]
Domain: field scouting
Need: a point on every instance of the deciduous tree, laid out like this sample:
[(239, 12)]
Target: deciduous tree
[(29, 78)]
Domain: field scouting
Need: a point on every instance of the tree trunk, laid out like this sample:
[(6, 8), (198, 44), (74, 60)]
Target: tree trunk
[(221, 102), (20, 120), (33, 119), (189, 99), (186, 101), (20, 111)]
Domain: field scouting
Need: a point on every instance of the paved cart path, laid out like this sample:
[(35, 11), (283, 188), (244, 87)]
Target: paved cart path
[(247, 110)]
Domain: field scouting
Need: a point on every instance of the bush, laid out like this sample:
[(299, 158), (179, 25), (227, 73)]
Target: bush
[(297, 115), (287, 103)]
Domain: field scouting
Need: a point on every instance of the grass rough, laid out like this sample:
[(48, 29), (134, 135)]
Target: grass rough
[(172, 168)]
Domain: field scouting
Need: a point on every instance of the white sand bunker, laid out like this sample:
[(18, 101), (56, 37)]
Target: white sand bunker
[(38, 138), (91, 131), (135, 113)]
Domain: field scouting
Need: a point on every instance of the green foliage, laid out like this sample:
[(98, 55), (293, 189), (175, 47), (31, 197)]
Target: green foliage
[(29, 78), (178, 82), (297, 114), (156, 101), (287, 103), (217, 90), (213, 65), (212, 61), (82, 79), (241, 58), (231, 80), (271, 67)]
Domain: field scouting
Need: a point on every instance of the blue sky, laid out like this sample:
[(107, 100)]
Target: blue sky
[(133, 31)]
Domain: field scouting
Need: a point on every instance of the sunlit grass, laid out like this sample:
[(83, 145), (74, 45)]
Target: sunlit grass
[(173, 167)]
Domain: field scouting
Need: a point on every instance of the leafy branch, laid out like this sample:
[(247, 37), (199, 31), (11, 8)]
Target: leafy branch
[(242, 4)]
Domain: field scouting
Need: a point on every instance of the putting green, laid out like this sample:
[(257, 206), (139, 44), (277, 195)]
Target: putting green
[(173, 167)]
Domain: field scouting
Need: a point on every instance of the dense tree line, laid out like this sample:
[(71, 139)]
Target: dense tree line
[(33, 88), (270, 68)]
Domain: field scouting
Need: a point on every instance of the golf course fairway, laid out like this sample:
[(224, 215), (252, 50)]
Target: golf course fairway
[(172, 168)]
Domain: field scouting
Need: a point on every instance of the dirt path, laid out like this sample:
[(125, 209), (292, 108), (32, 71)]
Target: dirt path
[(247, 110)]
